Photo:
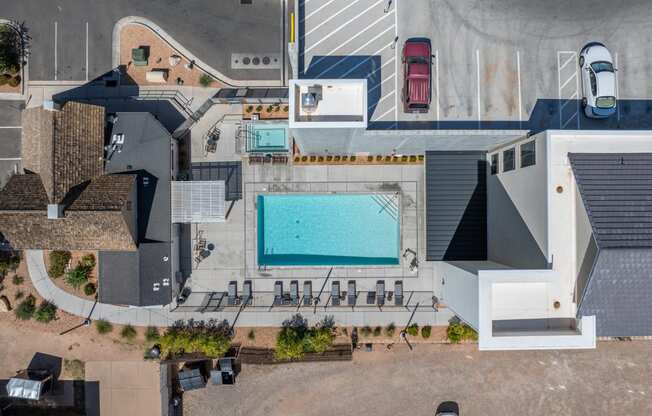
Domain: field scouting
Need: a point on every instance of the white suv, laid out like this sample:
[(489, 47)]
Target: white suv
[(598, 81)]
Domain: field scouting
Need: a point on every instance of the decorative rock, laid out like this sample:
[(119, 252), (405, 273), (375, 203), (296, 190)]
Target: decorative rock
[(5, 306)]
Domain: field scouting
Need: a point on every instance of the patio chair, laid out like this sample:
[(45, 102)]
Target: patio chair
[(294, 292), (278, 293), (335, 293), (246, 292), (200, 245), (351, 294), (380, 292), (398, 293), (232, 299), (140, 56), (211, 146), (307, 293)]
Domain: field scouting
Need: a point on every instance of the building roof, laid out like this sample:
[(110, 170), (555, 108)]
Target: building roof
[(105, 193), (65, 147), (616, 189), (456, 205), (23, 193), (229, 172), (78, 230)]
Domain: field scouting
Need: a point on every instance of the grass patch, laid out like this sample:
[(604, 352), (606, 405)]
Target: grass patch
[(457, 332), (128, 332), (26, 308), (46, 312), (58, 263), (151, 334), (251, 334), (210, 339), (78, 276), (103, 327)]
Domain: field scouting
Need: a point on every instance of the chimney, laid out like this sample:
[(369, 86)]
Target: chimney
[(55, 211)]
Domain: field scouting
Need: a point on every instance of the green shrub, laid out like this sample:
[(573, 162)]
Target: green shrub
[(251, 335), (9, 261), (19, 294), (151, 334), (210, 339), (296, 338), (103, 327), (89, 289), (15, 81), (58, 262), (365, 331), (26, 308), (77, 276), (205, 80), (413, 330), (458, 331), (88, 261), (128, 332), (377, 331), (46, 312), (17, 280), (11, 51), (4, 79), (390, 329), (426, 331)]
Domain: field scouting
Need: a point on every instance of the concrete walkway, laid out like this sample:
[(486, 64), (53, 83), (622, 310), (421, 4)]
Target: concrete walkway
[(164, 316)]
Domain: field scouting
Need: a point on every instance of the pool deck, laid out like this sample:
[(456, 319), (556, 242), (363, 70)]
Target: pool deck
[(233, 256)]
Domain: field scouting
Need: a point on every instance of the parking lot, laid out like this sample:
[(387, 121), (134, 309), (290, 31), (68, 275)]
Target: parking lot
[(498, 64), (10, 131)]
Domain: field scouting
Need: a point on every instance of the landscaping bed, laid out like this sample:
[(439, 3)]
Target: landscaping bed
[(11, 59), (80, 269)]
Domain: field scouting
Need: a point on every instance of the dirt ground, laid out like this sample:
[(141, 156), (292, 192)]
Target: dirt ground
[(136, 35), (20, 340), (616, 378)]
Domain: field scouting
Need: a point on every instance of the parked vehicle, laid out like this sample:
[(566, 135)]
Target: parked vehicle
[(417, 75), (448, 409), (598, 81)]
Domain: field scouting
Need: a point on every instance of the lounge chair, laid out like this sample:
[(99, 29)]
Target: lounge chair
[(246, 292), (371, 298), (398, 293), (351, 293), (294, 292), (232, 293), (380, 292), (335, 293), (278, 293), (307, 293)]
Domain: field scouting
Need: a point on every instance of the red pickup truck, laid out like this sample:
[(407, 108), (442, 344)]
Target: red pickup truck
[(417, 74)]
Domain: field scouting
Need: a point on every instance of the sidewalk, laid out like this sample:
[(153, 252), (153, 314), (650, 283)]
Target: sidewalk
[(164, 316)]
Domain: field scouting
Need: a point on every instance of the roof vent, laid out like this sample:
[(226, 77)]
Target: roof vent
[(51, 105), (310, 99), (55, 211)]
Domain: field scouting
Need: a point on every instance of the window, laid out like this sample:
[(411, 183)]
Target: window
[(594, 84), (528, 154), (602, 66), (494, 163), (508, 160)]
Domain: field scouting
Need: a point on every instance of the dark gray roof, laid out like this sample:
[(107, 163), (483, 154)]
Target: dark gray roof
[(619, 293), (229, 172), (616, 189), (128, 278), (456, 205)]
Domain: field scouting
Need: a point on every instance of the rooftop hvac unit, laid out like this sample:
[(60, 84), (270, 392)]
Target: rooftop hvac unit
[(310, 99)]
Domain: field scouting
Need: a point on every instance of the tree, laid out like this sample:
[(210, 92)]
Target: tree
[(46, 312), (11, 48), (26, 308)]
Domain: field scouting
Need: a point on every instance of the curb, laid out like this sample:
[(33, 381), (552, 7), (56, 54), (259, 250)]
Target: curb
[(115, 53)]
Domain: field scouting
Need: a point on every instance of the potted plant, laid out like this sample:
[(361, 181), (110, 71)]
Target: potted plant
[(259, 108), (329, 158), (370, 158), (337, 158), (304, 158)]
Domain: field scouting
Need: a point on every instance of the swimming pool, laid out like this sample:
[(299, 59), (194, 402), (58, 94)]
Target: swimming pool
[(328, 230), (267, 137)]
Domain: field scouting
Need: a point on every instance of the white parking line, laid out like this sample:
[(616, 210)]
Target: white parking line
[(317, 10), (386, 112), (9, 159), (381, 83), (360, 48), (358, 34), (520, 100), (617, 89), (323, 38), (395, 61), (574, 97), (11, 127), (372, 56), (477, 62), (86, 51), (382, 98), (329, 19), (55, 51), (437, 84)]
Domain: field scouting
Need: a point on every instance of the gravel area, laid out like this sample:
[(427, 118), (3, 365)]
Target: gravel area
[(613, 379)]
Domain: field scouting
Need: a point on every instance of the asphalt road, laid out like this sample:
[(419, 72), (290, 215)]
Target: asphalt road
[(62, 30), (613, 379)]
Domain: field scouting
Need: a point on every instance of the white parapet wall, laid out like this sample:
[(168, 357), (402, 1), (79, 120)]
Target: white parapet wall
[(525, 310)]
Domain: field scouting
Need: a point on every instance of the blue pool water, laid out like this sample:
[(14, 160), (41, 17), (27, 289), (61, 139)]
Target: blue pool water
[(328, 230)]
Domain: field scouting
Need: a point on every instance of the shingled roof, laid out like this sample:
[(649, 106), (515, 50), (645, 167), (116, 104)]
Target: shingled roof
[(105, 193), (65, 147), (616, 191), (23, 193)]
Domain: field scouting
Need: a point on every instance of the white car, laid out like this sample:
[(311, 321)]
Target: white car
[(598, 81)]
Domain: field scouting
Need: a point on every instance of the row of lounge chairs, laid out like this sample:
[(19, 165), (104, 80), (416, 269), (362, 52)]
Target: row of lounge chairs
[(279, 159)]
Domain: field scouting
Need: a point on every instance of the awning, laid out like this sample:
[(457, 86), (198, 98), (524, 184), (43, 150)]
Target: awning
[(198, 201)]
